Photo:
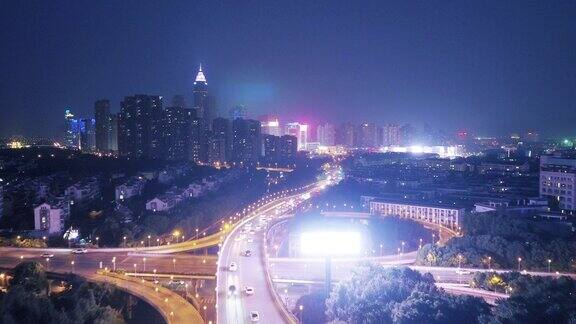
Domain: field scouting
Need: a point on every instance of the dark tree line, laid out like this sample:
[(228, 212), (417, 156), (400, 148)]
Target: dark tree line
[(29, 300), (497, 241)]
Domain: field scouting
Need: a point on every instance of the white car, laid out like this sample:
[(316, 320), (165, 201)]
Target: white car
[(233, 266), (250, 240), (463, 272), (254, 316), (47, 255), (249, 290), (80, 251)]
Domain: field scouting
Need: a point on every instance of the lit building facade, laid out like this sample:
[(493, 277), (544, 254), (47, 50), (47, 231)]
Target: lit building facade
[(51, 217), (558, 180), (435, 214), (270, 125), (300, 131)]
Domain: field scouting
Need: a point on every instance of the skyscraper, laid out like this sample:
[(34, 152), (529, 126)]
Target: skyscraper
[(103, 125), (87, 135), (246, 142), (326, 134), (140, 127), (72, 125), (200, 93)]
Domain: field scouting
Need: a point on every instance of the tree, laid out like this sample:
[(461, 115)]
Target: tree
[(30, 276), (399, 295)]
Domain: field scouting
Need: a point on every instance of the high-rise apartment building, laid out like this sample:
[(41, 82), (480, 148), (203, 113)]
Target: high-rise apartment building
[(558, 180), (198, 141), (220, 141), (246, 142), (346, 135), (326, 134), (391, 135), (367, 135), (140, 127), (177, 122)]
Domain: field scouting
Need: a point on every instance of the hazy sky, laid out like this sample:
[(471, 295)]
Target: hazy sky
[(490, 66)]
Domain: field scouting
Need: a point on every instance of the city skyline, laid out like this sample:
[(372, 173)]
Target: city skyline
[(400, 63)]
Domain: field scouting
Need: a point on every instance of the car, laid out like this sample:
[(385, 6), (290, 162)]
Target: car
[(238, 238), (47, 255), (250, 240), (249, 290), (247, 253), (232, 290), (252, 232), (463, 272), (233, 266), (254, 316), (80, 251)]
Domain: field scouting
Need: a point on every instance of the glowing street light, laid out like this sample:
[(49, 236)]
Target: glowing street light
[(549, 263), (73, 266), (174, 264), (489, 263), (114, 263), (519, 263)]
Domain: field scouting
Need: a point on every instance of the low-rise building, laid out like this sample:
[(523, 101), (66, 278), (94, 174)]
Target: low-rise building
[(83, 191), (419, 211), (162, 203), (51, 216), (130, 189), (558, 180)]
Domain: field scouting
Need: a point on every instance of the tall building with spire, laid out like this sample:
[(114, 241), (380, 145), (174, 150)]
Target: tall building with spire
[(200, 93)]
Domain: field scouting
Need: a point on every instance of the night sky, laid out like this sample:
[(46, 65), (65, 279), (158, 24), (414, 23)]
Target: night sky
[(487, 66)]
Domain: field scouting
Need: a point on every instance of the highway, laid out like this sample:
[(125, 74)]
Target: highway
[(249, 235)]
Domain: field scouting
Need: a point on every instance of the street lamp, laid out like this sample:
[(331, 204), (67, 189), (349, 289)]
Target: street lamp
[(420, 244), (176, 234), (403, 243), (73, 266), (148, 240), (519, 263), (459, 260), (144, 261), (47, 264), (489, 263), (433, 238), (135, 269), (124, 238), (157, 242), (174, 264), (381, 249), (114, 263), (301, 308), (97, 240), (549, 262)]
